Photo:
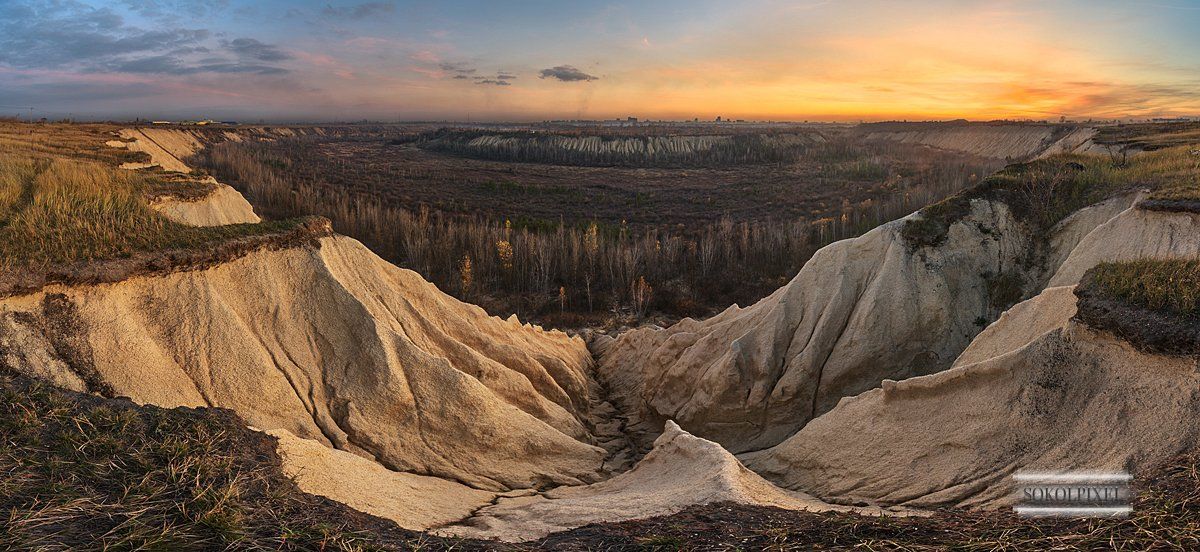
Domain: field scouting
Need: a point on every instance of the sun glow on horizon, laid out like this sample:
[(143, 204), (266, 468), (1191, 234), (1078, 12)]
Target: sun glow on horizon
[(768, 60)]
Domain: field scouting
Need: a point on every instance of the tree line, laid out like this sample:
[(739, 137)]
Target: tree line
[(582, 267)]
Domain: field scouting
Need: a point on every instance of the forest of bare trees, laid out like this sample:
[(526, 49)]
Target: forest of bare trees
[(623, 151), (560, 273)]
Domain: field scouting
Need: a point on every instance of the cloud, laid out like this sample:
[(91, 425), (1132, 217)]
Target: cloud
[(70, 36), (167, 10), (253, 49), (566, 73), (499, 79), (360, 11), (171, 65), (53, 35), (458, 69), (462, 71)]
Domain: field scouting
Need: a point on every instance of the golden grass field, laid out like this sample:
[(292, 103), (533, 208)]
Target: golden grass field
[(64, 199)]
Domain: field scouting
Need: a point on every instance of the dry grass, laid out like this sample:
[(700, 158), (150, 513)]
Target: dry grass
[(63, 200), (1157, 284), (1044, 192), (79, 472)]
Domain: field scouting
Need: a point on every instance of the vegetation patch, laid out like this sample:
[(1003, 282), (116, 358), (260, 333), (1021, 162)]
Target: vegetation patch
[(614, 150), (1153, 304), (1043, 192), (219, 244), (79, 472), (1005, 289), (1149, 136), (931, 227), (69, 215), (176, 186), (563, 245)]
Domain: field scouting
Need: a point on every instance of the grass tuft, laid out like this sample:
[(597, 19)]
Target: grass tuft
[(1171, 285)]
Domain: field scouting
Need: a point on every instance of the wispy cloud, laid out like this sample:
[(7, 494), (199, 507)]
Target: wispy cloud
[(566, 73), (360, 11), (250, 48)]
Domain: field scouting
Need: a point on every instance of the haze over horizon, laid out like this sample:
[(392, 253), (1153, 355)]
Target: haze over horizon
[(759, 59)]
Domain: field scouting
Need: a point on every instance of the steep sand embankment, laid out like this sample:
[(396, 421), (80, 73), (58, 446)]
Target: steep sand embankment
[(681, 471), (1015, 141), (224, 205), (1072, 399), (416, 502), (1134, 234), (167, 149), (859, 312), (400, 401), (331, 343), (1035, 390)]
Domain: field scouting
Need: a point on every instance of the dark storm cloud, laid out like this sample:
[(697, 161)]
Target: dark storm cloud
[(493, 82), (505, 76), (566, 73), (360, 11), (65, 35), (253, 49)]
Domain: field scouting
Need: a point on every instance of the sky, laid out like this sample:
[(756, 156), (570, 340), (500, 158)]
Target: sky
[(655, 59)]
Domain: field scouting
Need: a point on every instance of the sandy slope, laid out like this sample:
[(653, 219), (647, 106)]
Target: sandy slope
[(681, 470), (414, 502), (859, 312), (1133, 234), (334, 344), (167, 149), (1072, 399), (1022, 324), (1034, 390), (1010, 141), (223, 206)]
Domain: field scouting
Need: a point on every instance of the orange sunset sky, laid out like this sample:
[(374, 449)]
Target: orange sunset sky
[(757, 59)]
